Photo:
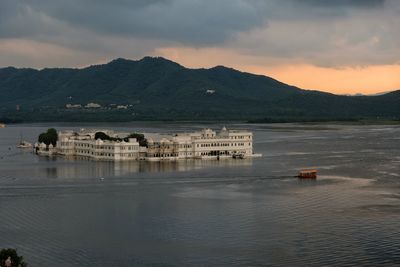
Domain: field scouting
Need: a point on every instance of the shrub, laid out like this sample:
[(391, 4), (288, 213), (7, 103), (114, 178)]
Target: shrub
[(139, 137), (102, 136), (16, 260)]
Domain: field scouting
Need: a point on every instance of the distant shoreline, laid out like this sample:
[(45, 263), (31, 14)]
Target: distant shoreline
[(319, 121), (330, 121)]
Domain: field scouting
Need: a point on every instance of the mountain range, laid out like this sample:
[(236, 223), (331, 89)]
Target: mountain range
[(157, 88)]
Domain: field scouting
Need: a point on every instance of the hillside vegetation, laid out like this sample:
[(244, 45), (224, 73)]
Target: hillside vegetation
[(156, 88)]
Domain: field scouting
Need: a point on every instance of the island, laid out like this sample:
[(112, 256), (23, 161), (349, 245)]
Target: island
[(119, 146)]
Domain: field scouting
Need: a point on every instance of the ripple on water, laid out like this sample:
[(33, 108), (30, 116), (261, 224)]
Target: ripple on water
[(214, 214)]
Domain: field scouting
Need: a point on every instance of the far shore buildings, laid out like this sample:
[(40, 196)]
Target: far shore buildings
[(204, 144), (72, 106), (92, 105)]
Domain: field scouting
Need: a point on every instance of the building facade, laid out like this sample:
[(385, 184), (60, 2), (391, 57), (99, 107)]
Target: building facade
[(84, 144), (204, 144)]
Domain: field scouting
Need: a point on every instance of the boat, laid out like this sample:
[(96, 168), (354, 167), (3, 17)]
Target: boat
[(238, 156), (24, 144), (307, 174)]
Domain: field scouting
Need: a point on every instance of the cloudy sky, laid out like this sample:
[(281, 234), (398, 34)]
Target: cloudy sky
[(341, 46)]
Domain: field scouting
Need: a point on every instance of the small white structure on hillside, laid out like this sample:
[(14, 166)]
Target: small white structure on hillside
[(92, 105), (72, 106)]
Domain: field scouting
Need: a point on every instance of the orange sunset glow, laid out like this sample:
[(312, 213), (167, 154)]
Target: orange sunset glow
[(371, 79), (365, 80)]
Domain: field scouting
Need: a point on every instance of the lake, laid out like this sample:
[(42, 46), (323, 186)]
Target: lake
[(251, 212)]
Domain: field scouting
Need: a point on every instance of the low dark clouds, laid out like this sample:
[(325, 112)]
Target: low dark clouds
[(321, 32), (193, 22), (342, 3), (190, 22)]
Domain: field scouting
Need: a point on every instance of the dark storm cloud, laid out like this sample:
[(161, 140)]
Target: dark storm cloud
[(342, 3), (189, 22), (325, 32)]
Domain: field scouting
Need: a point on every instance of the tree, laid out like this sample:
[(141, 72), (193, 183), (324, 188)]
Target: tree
[(42, 138), (49, 137), (101, 135), (139, 137), (16, 260)]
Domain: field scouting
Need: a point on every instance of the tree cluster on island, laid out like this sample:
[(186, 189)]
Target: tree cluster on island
[(139, 137), (49, 137)]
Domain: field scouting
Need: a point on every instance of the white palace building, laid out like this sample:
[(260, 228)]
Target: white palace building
[(204, 144), (84, 144)]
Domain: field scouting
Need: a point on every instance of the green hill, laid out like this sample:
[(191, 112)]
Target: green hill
[(156, 88)]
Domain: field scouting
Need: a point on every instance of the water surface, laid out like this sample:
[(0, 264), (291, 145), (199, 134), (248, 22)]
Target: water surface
[(62, 212)]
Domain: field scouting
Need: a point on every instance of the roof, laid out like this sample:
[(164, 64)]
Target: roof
[(308, 171)]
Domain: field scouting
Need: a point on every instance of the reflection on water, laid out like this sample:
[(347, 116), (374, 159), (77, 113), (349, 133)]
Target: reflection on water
[(111, 169), (63, 212)]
